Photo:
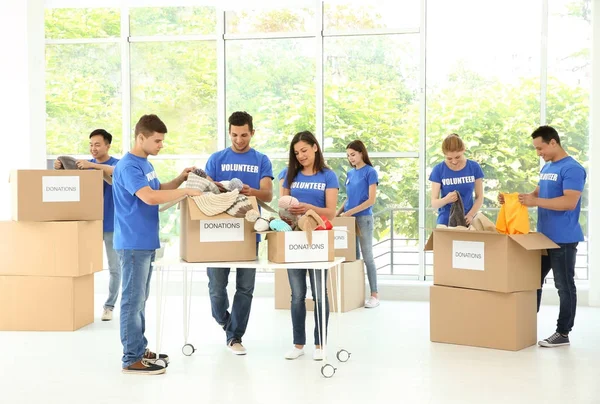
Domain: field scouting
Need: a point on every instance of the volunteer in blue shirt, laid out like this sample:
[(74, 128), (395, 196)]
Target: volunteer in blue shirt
[(361, 188), (255, 171), (316, 187), (456, 173), (100, 142), (137, 192), (558, 199)]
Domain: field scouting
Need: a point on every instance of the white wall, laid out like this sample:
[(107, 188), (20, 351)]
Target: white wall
[(22, 103)]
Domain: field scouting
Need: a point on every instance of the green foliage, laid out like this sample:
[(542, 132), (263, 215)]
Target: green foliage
[(76, 23)]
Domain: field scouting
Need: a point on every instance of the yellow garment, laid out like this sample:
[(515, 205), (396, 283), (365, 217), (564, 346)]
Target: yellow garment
[(513, 217)]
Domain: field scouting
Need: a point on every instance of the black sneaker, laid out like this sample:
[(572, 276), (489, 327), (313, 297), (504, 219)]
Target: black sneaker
[(143, 367), (556, 339), (150, 357)]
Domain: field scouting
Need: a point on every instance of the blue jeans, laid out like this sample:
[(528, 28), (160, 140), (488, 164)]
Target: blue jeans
[(136, 268), (115, 271), (297, 279), (233, 323), (562, 262), (364, 240)]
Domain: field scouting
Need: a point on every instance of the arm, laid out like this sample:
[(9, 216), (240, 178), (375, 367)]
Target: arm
[(341, 209), (436, 201), (177, 181), (561, 203), (265, 193), (156, 197), (284, 191), (478, 200), (86, 165), (366, 204)]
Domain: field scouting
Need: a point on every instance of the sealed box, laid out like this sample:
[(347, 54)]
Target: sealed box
[(53, 195), (51, 248), (482, 318)]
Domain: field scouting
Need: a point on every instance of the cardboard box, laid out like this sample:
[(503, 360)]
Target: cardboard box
[(292, 246), (34, 303), (52, 195), (483, 319), (487, 260), (352, 291), (51, 248), (345, 237), (215, 238)]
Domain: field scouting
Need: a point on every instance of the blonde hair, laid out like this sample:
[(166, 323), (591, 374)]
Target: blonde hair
[(452, 143)]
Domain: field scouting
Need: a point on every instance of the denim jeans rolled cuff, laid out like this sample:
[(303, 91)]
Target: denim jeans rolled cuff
[(136, 270), (114, 267), (297, 279), (235, 322), (562, 263), (364, 242)]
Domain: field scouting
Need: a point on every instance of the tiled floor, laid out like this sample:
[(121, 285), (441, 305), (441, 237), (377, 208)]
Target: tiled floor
[(392, 362)]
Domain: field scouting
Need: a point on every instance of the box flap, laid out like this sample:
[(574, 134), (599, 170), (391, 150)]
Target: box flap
[(533, 241), (196, 214), (429, 243)]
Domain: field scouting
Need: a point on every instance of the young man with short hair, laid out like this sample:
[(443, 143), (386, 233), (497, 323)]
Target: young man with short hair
[(256, 172), (137, 193), (100, 143), (558, 199)]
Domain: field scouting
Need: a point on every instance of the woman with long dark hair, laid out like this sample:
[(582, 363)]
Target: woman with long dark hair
[(316, 187)]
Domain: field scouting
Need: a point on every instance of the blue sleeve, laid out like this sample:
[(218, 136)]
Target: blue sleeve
[(574, 179), (436, 175), (211, 169), (372, 177), (478, 172), (282, 174), (114, 162), (266, 168), (331, 180), (133, 179)]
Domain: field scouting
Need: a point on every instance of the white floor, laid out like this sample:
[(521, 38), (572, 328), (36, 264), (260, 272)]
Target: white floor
[(392, 361)]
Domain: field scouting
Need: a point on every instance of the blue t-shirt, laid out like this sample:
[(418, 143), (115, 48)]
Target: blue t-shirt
[(555, 178), (136, 223), (250, 167), (282, 174), (357, 188), (311, 188), (108, 224), (462, 181)]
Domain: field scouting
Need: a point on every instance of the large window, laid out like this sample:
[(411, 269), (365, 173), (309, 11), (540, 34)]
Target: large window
[(387, 73)]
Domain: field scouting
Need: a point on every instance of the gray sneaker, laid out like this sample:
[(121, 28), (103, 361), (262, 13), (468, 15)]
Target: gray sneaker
[(556, 339)]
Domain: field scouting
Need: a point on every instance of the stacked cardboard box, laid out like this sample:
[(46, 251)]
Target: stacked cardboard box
[(51, 250), (484, 291), (351, 277)]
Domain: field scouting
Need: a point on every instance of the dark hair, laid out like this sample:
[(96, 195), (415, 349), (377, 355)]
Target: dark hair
[(547, 133), (101, 132), (294, 166), (148, 124), (361, 148), (241, 118), (452, 143)]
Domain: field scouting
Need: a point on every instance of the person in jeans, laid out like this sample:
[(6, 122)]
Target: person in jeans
[(137, 193), (100, 142), (316, 187), (558, 199), (254, 169), (361, 188)]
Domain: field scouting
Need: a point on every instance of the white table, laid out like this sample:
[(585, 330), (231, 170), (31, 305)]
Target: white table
[(165, 266)]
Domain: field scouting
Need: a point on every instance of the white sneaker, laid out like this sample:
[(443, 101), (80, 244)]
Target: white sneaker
[(295, 353), (372, 302), (318, 354), (107, 315)]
